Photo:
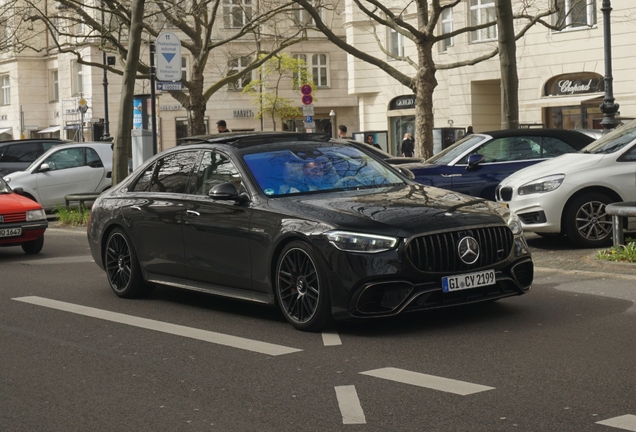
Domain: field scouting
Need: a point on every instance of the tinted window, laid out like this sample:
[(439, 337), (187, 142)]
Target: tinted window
[(92, 157), (21, 153), (67, 158), (173, 172), (449, 154), (143, 183), (553, 147), (215, 169)]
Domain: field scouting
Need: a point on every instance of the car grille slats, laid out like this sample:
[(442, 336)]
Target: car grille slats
[(14, 217), (439, 252)]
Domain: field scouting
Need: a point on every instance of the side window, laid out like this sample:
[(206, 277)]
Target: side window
[(92, 158), (629, 156), (493, 151), (21, 153), (143, 182), (215, 169), (524, 148), (49, 145), (173, 172), (67, 158), (553, 147)]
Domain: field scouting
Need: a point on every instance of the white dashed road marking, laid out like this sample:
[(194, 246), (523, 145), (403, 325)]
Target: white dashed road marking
[(428, 381), (626, 422), (331, 338), (174, 329), (349, 404)]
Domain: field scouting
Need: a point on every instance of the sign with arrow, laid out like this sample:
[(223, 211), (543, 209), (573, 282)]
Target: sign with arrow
[(168, 57)]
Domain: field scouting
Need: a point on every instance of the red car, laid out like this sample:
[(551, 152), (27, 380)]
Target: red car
[(22, 221)]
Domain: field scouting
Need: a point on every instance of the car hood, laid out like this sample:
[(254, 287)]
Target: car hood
[(14, 203), (564, 164), (404, 210)]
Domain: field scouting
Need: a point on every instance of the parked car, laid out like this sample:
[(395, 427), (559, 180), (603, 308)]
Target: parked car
[(477, 163), (66, 169), (16, 155), (22, 221), (568, 194), (311, 224)]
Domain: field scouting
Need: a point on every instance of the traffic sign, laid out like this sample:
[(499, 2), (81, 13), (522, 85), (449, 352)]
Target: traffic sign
[(168, 57), (82, 105), (165, 86), (306, 89), (308, 100), (309, 119), (308, 110)]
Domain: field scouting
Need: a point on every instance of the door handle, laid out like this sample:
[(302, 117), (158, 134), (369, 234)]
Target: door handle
[(134, 207), (451, 175), (192, 212)]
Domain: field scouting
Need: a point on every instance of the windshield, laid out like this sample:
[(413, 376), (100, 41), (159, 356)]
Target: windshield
[(613, 141), (451, 153), (310, 168), (4, 187)]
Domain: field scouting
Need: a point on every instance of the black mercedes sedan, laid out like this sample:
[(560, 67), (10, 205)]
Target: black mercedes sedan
[(315, 226)]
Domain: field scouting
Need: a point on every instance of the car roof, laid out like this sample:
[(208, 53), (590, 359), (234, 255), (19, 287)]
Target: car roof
[(575, 138), (33, 140), (241, 140)]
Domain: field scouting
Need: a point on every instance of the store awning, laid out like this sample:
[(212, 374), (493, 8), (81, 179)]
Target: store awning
[(564, 101), (5, 130), (50, 129)]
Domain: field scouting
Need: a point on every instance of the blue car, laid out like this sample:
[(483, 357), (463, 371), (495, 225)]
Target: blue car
[(477, 163)]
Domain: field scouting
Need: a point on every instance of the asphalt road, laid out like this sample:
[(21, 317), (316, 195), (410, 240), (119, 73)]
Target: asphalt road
[(74, 357)]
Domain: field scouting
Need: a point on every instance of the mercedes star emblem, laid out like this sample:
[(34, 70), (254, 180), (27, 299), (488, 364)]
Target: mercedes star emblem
[(468, 250)]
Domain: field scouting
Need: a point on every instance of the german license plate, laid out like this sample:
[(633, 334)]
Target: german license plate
[(10, 232), (468, 280)]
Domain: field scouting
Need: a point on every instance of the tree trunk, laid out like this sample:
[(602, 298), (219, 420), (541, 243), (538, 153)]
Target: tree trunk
[(196, 104), (122, 145), (508, 65), (423, 86)]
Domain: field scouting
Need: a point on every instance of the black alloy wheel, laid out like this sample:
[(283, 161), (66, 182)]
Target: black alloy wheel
[(33, 246), (301, 288), (587, 223), (122, 267)]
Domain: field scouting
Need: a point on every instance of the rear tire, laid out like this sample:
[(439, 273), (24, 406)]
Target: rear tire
[(301, 288), (586, 222), (33, 246), (122, 267)]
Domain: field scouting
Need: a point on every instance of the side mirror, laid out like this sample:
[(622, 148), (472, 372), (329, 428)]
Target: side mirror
[(226, 192), (96, 164), (18, 190), (407, 173), (44, 167), (474, 160)]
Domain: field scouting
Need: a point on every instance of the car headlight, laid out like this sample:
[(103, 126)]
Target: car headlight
[(33, 215), (545, 184), (514, 223), (366, 243)]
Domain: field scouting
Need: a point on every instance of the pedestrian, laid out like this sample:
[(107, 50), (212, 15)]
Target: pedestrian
[(372, 142), (469, 131), (408, 146), (342, 131), (221, 126)]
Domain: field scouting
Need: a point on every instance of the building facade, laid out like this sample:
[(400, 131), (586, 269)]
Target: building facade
[(560, 72), (50, 94)]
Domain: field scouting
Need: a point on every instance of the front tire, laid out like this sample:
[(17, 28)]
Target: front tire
[(33, 246), (301, 288), (122, 267), (586, 222)]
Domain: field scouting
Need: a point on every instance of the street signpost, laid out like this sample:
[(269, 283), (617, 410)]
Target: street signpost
[(308, 107), (168, 57), (165, 86)]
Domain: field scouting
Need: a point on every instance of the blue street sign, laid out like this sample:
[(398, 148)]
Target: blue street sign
[(309, 119)]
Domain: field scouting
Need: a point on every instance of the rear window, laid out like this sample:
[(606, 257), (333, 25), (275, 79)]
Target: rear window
[(21, 152)]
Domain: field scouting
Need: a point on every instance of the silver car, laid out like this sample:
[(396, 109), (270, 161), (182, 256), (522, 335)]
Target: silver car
[(65, 169)]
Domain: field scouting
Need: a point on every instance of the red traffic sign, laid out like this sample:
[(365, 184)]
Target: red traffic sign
[(308, 100), (306, 89)]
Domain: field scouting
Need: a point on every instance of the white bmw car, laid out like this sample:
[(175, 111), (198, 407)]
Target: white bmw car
[(65, 169), (568, 194)]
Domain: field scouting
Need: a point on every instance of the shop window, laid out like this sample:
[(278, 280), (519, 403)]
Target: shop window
[(181, 124)]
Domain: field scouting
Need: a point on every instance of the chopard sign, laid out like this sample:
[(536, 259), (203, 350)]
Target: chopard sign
[(576, 87)]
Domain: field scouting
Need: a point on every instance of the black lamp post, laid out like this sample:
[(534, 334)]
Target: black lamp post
[(608, 107), (106, 133)]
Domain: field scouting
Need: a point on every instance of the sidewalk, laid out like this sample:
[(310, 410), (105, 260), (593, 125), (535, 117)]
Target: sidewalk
[(558, 254)]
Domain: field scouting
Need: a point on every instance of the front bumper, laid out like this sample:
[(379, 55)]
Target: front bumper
[(539, 212), (30, 231)]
